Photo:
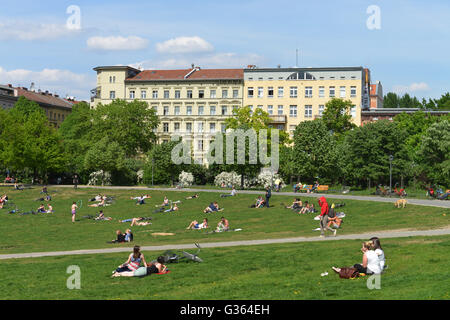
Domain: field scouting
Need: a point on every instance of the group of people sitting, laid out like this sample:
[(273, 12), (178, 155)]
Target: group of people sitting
[(328, 217), (300, 207), (136, 266), (373, 261), (299, 186), (42, 209), (123, 237), (223, 225)]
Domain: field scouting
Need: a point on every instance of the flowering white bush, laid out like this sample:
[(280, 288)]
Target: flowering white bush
[(265, 179), (229, 179), (100, 178), (186, 179)]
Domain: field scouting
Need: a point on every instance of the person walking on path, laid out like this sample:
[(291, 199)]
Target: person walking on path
[(324, 217), (75, 181)]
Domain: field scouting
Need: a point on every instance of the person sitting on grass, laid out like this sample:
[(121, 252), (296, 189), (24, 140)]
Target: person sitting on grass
[(233, 193), (44, 190), (259, 203), (3, 200), (296, 204), (140, 200), (96, 198), (223, 225), (333, 220), (41, 209), (379, 251), (18, 187), (120, 237), (157, 267), (213, 207), (49, 208), (194, 225), (101, 216), (165, 202), (195, 196), (139, 222), (128, 236), (133, 262)]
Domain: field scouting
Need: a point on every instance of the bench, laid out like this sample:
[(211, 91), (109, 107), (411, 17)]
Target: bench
[(305, 188), (322, 188)]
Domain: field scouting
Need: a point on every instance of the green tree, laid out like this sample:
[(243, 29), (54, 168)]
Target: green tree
[(29, 142), (314, 151), (391, 100), (434, 152), (337, 116), (131, 124)]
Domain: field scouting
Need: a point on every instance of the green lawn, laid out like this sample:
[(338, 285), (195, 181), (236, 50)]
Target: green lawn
[(31, 233), (418, 269)]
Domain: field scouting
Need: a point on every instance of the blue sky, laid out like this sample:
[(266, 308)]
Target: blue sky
[(409, 53)]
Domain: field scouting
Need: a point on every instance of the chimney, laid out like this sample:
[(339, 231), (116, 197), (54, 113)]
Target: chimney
[(192, 66)]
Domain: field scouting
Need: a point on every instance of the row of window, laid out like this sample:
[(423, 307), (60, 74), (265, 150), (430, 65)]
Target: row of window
[(200, 94), (294, 108), (213, 110), (306, 76), (293, 92), (189, 127), (55, 116)]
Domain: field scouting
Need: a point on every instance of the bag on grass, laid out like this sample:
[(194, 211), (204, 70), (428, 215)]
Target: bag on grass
[(348, 273)]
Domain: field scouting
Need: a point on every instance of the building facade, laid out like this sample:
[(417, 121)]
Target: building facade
[(7, 97), (55, 107), (192, 103), (293, 95), (376, 114), (376, 95)]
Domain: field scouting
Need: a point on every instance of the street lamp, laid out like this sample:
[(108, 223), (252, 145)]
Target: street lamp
[(391, 158), (153, 164)]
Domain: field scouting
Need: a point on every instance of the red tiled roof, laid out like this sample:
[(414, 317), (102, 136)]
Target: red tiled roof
[(44, 98), (153, 75)]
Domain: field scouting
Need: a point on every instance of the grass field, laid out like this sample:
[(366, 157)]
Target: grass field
[(418, 269), (54, 232)]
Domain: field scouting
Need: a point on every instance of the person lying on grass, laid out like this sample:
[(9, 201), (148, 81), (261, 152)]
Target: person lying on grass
[(194, 225), (195, 196), (157, 267), (134, 261), (96, 198), (232, 194), (213, 207), (173, 207), (138, 222), (49, 208), (137, 219), (100, 204), (370, 262), (140, 200), (260, 203)]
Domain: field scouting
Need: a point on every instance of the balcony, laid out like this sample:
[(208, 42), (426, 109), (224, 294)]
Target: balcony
[(278, 118)]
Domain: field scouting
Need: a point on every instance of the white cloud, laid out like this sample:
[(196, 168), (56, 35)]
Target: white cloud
[(184, 45), (413, 87), (54, 80), (116, 43), (26, 31), (216, 60)]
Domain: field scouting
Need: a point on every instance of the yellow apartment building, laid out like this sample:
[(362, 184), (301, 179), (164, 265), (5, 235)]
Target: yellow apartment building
[(292, 95), (192, 103)]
